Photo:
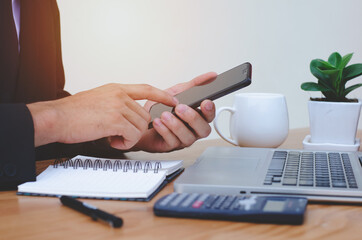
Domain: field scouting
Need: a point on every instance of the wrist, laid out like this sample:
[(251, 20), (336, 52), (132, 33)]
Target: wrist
[(44, 120)]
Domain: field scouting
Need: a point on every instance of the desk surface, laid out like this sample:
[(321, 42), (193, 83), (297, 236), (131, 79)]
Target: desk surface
[(23, 217)]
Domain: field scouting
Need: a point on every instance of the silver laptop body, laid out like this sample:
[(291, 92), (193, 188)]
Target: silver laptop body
[(317, 175)]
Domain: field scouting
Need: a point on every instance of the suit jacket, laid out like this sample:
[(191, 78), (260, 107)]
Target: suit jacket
[(39, 76)]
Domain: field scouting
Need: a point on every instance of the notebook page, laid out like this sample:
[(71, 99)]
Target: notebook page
[(95, 183)]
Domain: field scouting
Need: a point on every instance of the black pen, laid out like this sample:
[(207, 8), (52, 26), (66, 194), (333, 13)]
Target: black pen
[(91, 211)]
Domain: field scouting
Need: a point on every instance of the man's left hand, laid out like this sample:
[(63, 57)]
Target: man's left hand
[(170, 132)]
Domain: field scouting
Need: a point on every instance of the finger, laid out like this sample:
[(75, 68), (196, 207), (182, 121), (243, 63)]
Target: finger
[(148, 105), (200, 80), (199, 125), (127, 135), (204, 78), (119, 142), (169, 138), (135, 119), (145, 91), (134, 106), (179, 129), (208, 110)]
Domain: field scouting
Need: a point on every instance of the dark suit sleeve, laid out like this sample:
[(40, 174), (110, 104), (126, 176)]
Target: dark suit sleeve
[(17, 161), (98, 148), (18, 154)]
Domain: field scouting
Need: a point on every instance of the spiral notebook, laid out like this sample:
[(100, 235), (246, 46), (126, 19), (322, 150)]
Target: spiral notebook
[(89, 177)]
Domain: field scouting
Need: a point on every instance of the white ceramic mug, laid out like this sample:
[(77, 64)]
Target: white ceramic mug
[(257, 120)]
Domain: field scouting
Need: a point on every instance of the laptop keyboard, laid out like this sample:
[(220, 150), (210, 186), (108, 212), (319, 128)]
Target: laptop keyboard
[(309, 169)]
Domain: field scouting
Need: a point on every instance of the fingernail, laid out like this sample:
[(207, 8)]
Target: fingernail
[(157, 122), (175, 100), (166, 116), (181, 108), (209, 106)]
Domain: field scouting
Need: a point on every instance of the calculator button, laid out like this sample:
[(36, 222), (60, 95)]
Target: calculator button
[(210, 201), (236, 204), (197, 204), (241, 207), (178, 199), (219, 202), (247, 203), (189, 200), (258, 205), (167, 199), (228, 202), (200, 201), (203, 197)]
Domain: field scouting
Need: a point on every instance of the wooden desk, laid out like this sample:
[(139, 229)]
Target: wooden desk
[(24, 217)]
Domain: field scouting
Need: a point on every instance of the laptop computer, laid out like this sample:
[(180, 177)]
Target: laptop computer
[(317, 175)]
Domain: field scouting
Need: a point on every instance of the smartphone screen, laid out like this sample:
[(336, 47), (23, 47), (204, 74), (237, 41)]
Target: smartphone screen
[(225, 83)]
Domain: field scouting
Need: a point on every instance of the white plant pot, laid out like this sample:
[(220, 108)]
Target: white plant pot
[(334, 122)]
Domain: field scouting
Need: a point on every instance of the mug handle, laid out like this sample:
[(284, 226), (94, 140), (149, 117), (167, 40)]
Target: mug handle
[(232, 111)]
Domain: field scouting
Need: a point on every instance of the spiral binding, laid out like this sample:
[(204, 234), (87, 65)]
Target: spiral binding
[(107, 165)]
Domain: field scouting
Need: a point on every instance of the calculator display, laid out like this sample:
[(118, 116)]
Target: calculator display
[(274, 206)]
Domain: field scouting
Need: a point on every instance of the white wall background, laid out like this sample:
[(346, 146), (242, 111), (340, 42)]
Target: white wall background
[(164, 42)]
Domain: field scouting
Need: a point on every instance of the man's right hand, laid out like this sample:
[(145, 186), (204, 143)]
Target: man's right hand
[(106, 111)]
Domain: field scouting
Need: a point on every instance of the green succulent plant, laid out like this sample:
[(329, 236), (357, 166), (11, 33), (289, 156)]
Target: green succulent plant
[(332, 77)]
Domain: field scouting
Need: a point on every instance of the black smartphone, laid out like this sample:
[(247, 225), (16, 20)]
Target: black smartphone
[(225, 83)]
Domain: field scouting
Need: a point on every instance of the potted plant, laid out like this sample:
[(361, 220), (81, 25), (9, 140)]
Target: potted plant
[(334, 117)]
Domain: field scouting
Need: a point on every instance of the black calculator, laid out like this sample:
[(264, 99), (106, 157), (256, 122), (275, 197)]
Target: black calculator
[(262, 209)]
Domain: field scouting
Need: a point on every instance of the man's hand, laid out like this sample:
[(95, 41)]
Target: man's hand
[(107, 111), (169, 132)]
